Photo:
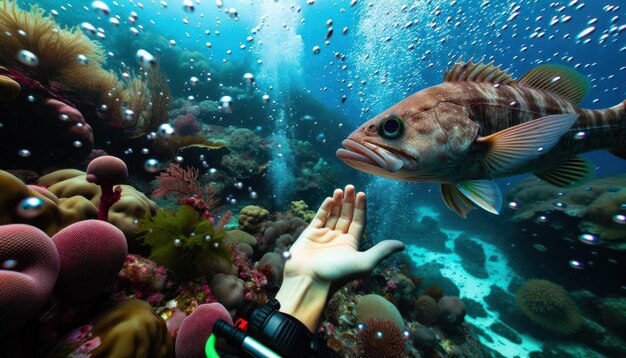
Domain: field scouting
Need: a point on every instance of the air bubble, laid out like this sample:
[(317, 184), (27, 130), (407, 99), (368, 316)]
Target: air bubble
[(28, 58), (9, 264), (152, 165), (30, 207)]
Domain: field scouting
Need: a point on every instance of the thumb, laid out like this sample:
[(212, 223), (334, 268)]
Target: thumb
[(379, 252)]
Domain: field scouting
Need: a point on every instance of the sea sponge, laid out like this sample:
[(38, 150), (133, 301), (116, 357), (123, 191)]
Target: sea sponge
[(452, 310), (251, 218), (375, 306), (427, 310), (196, 329), (9, 88), (228, 289), (549, 305), (29, 266), (92, 252), (381, 338), (132, 329)]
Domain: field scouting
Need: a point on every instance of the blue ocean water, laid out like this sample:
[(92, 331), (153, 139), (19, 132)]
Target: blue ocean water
[(378, 53)]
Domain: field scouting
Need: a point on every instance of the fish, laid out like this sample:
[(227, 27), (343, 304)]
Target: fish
[(479, 125)]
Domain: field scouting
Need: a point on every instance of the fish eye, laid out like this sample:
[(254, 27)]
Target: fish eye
[(391, 127)]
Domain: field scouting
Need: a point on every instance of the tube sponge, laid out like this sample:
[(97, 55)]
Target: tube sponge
[(92, 252), (196, 329), (29, 265)]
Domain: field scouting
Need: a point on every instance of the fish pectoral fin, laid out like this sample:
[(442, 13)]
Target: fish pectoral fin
[(557, 79), (511, 148), (455, 200), (573, 172), (483, 193)]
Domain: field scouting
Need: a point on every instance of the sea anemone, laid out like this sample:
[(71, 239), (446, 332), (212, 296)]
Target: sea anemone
[(381, 338), (549, 305)]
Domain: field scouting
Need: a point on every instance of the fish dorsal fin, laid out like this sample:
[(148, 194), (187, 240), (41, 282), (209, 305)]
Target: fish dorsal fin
[(478, 72), (573, 172), (455, 200), (557, 79)]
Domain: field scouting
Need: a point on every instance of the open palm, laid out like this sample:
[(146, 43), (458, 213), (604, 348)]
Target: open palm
[(327, 250)]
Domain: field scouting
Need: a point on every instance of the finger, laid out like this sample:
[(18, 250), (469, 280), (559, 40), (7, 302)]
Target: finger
[(347, 210), (358, 221), (322, 214), (334, 215), (379, 252)]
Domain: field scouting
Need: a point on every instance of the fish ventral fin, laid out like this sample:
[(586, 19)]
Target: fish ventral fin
[(557, 79), (478, 72), (573, 172), (455, 200), (483, 193), (511, 148)]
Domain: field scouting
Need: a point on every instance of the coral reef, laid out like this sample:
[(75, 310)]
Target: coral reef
[(92, 252), (427, 311), (251, 218), (131, 328), (382, 338), (549, 305), (196, 329), (39, 207), (591, 207), (452, 311), (228, 290), (280, 234), (186, 125), (123, 214), (377, 307), (30, 267), (473, 256), (56, 49)]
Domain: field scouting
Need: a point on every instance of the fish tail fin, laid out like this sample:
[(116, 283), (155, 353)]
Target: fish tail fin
[(620, 149)]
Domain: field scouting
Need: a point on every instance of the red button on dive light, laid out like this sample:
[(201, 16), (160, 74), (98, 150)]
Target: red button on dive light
[(242, 324)]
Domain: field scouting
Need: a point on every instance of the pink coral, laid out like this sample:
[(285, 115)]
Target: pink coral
[(29, 267), (196, 329), (187, 124), (92, 252)]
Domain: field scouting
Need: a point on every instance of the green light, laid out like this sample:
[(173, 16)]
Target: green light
[(209, 348)]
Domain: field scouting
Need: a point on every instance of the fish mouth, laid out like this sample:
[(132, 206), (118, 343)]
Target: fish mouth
[(369, 156)]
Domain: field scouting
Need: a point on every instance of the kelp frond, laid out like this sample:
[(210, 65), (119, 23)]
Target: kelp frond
[(136, 100)]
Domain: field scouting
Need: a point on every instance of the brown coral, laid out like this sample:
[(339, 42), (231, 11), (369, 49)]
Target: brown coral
[(427, 310), (549, 305), (252, 217), (381, 338), (132, 329)]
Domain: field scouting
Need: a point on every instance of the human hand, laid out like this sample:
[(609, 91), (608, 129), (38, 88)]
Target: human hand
[(326, 256), (327, 250)]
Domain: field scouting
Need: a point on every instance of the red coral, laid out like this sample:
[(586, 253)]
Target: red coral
[(182, 183), (187, 124)]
